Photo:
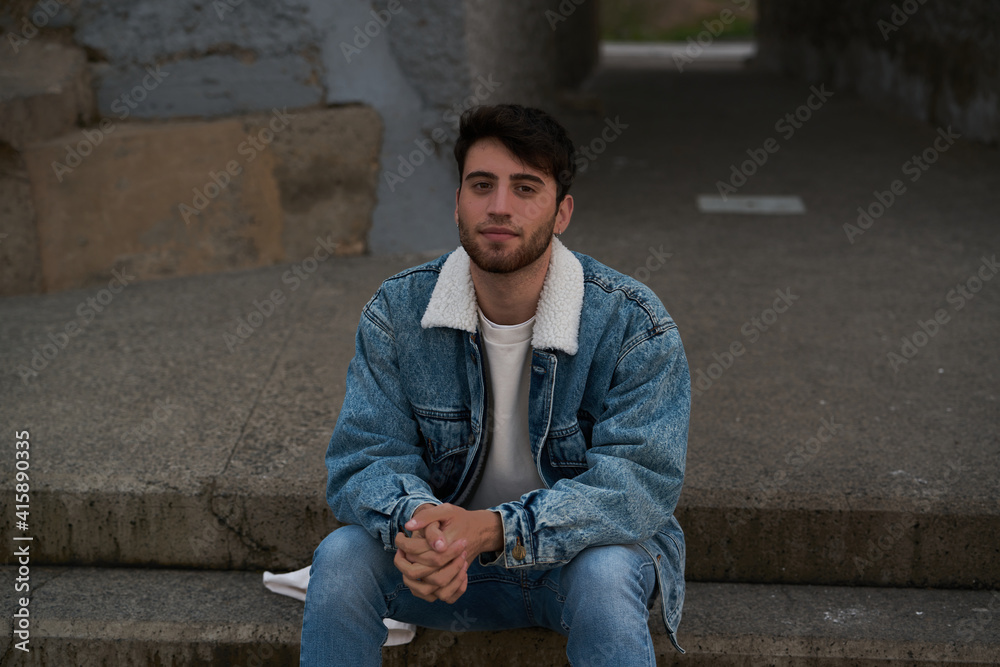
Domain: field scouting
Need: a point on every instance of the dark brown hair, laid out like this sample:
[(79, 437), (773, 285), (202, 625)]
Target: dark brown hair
[(533, 136)]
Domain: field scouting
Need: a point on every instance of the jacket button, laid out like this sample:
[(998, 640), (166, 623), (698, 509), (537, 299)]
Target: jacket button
[(518, 551)]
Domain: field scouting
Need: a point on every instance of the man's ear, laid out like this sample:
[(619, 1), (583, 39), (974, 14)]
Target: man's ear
[(458, 192), (563, 214)]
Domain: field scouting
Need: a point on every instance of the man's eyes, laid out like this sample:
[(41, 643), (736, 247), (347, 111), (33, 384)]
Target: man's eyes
[(486, 185)]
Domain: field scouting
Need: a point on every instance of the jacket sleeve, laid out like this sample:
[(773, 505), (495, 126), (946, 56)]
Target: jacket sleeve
[(636, 464), (377, 476)]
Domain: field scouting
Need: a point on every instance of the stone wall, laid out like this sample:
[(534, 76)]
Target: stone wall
[(417, 63), (380, 181), (937, 60)]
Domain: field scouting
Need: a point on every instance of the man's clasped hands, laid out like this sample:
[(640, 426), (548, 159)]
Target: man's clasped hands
[(443, 540)]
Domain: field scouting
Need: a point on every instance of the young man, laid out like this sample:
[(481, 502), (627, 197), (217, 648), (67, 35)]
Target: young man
[(512, 441)]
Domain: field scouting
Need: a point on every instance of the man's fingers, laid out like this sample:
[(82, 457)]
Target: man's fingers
[(420, 589), (424, 518), (402, 564), (418, 551), (447, 584), (445, 575), (427, 566), (457, 586), (435, 537), (413, 570), (413, 546)]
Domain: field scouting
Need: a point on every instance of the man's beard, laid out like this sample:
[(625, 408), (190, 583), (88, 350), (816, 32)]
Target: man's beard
[(494, 258)]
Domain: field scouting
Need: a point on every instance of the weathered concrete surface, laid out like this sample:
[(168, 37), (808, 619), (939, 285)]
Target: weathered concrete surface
[(326, 168), (731, 624), (914, 451), (87, 616), (208, 86), (904, 493), (555, 40), (20, 264), (936, 61), (214, 462), (419, 81), (143, 617), (154, 200), (44, 91), (419, 64)]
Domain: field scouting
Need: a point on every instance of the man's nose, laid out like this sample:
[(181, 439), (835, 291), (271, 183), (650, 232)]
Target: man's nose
[(499, 203)]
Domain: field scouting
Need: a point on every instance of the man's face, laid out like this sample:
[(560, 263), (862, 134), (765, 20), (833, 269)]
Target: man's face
[(506, 210)]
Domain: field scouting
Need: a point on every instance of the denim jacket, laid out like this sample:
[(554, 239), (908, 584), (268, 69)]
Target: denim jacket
[(609, 402)]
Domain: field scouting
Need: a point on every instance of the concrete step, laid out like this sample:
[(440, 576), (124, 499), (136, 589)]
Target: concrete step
[(96, 616), (160, 436)]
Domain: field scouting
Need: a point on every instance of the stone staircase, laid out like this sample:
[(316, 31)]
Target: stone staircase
[(838, 511)]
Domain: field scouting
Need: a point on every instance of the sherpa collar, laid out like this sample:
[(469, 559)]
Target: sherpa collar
[(557, 318)]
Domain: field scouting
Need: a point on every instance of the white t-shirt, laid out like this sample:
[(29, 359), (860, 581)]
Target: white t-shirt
[(510, 469)]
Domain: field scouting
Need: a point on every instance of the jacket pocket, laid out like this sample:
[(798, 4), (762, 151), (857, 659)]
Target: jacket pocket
[(446, 438), (567, 449)]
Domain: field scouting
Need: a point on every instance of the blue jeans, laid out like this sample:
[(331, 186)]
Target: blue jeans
[(600, 600)]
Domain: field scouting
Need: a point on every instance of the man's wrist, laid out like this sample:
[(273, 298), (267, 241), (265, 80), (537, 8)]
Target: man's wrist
[(492, 534)]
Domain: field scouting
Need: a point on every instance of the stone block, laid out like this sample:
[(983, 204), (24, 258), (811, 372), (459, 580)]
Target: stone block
[(20, 266), (326, 167), (44, 91), (153, 200), (209, 86)]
